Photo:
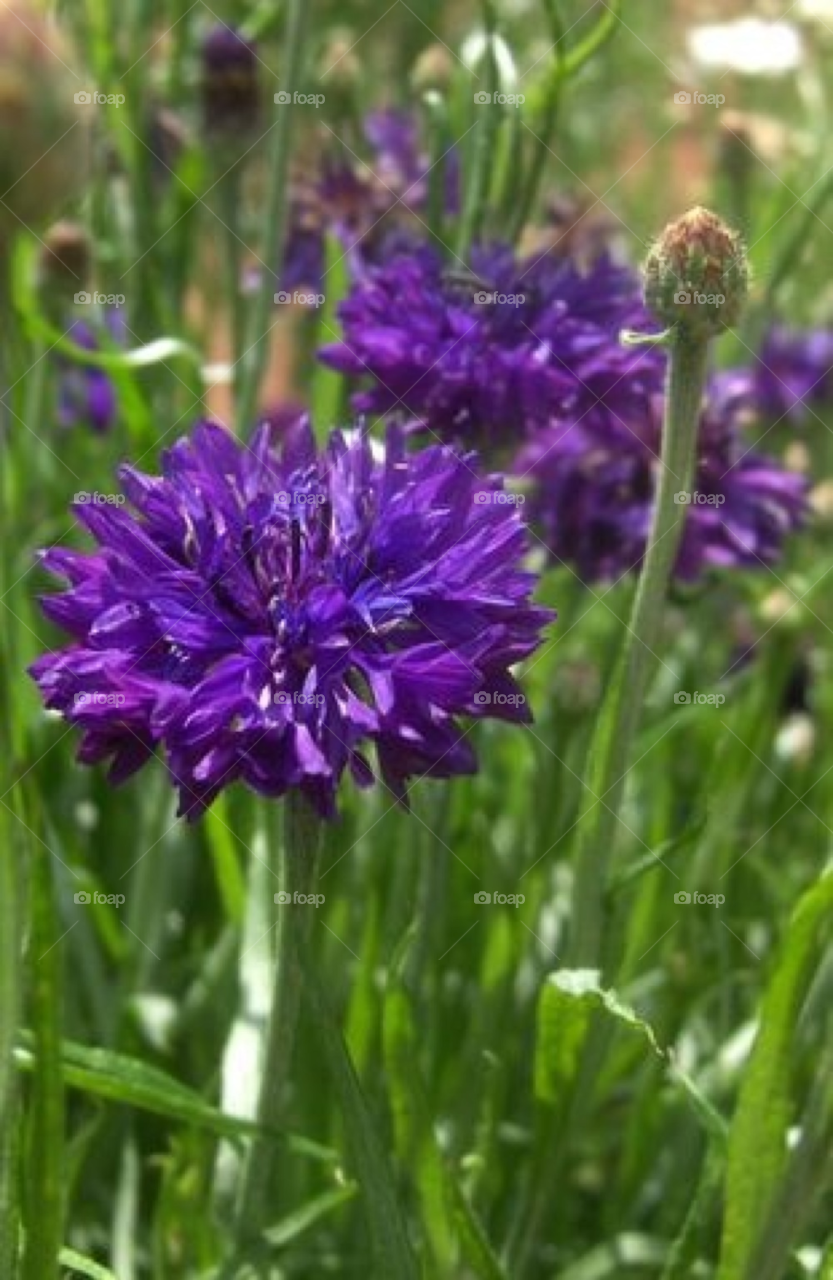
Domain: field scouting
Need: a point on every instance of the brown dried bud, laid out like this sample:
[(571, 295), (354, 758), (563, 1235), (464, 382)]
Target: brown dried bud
[(696, 274)]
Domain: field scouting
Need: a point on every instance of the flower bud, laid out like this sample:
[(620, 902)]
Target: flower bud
[(42, 131), (230, 90), (65, 258), (433, 68), (696, 274)]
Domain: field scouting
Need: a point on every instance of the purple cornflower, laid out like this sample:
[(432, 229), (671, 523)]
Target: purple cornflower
[(592, 491), (487, 357), (268, 614), (368, 208), (86, 394), (793, 371)]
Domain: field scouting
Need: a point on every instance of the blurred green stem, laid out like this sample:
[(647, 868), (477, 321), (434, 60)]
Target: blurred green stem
[(297, 872), (273, 226), (479, 169), (612, 743)]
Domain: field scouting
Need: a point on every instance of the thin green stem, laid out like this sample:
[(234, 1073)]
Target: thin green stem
[(478, 177), (612, 743), (298, 863), (273, 226)]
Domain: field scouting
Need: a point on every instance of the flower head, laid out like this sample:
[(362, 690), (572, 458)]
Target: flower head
[(267, 615), (488, 356), (593, 491)]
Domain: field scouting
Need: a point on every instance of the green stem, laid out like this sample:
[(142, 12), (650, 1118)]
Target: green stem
[(297, 870), (228, 199), (273, 227), (483, 150), (612, 743)]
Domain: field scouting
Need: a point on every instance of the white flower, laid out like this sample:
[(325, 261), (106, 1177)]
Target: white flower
[(748, 45)]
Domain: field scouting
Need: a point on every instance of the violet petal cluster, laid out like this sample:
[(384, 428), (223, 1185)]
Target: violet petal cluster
[(270, 615), (486, 358), (592, 491)]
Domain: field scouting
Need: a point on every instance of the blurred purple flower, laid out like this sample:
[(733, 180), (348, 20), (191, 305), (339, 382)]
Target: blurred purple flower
[(267, 615), (794, 370), (229, 84), (86, 395), (592, 492), (366, 208)]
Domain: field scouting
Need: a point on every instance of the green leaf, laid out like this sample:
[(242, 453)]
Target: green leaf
[(132, 1082), (84, 1266), (392, 1248), (294, 1224), (757, 1138)]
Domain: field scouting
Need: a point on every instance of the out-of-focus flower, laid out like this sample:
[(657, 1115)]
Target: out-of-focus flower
[(86, 394), (433, 68), (369, 209), (486, 356), (794, 370), (268, 615), (749, 45), (43, 140), (229, 88), (593, 492)]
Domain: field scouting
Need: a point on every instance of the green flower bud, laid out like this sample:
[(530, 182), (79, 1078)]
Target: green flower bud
[(696, 275), (43, 140)]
